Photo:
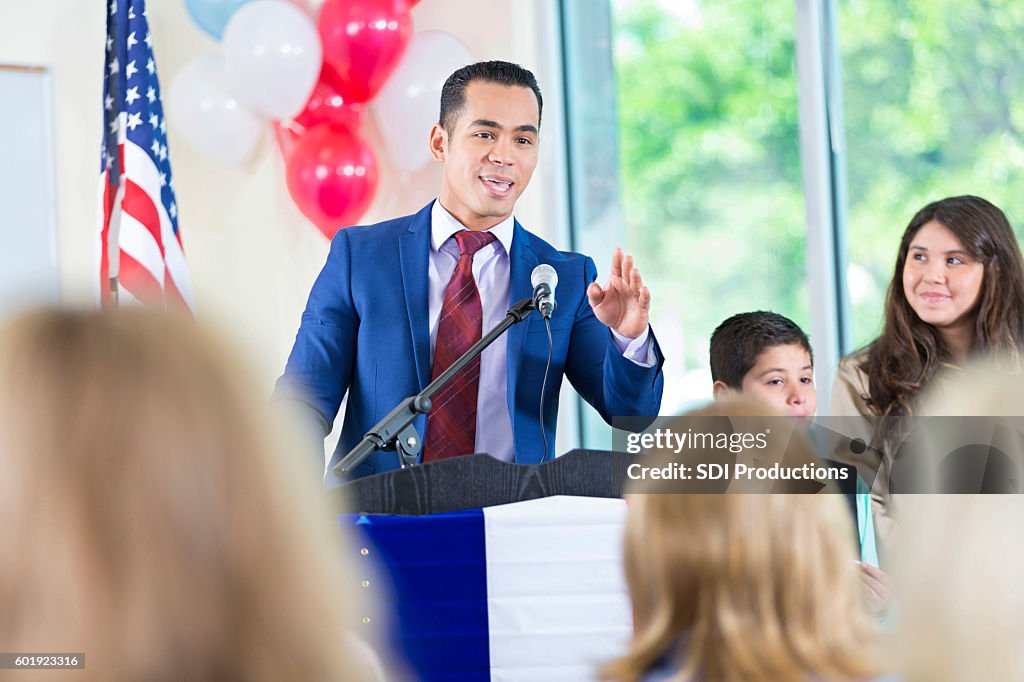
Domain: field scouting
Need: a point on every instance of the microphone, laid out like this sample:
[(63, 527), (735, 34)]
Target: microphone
[(544, 279)]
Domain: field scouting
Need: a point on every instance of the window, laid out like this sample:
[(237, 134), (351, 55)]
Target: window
[(709, 169), (934, 107), (709, 190)]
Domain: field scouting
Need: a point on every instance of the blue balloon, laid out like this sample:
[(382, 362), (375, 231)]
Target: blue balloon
[(213, 15)]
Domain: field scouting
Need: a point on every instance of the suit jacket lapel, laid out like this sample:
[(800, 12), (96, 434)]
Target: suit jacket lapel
[(414, 256), (522, 261)]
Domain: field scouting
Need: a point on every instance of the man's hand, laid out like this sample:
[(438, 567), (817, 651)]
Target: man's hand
[(624, 303)]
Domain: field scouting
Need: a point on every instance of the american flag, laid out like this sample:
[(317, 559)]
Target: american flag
[(140, 253)]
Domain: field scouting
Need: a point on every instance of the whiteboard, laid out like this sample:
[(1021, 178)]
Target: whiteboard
[(29, 268)]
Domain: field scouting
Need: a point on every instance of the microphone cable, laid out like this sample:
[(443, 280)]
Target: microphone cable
[(543, 388)]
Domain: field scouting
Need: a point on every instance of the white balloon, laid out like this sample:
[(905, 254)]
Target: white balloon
[(407, 106), (273, 56), (211, 120)]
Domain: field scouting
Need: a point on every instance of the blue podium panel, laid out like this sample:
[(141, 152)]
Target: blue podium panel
[(437, 568)]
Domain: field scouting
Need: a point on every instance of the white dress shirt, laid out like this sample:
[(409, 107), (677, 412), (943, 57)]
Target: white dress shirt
[(491, 271)]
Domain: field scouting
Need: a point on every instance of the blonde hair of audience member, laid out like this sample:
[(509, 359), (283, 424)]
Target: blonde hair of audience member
[(146, 517), (959, 566), (960, 573), (745, 586)]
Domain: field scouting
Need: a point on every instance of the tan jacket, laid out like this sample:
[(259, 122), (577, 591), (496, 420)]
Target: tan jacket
[(855, 421)]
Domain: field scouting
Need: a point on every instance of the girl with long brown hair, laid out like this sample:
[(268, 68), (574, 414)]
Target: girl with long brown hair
[(957, 292)]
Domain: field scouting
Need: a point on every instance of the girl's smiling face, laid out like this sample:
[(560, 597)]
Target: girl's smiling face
[(941, 280)]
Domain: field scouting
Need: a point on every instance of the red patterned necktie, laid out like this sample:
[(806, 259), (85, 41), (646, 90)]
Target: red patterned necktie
[(451, 425)]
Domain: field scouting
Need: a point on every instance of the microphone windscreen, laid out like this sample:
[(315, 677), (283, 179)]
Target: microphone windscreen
[(544, 274)]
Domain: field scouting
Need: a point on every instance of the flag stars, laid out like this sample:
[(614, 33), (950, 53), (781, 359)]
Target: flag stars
[(132, 59)]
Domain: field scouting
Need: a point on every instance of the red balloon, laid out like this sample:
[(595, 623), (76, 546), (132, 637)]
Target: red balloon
[(325, 106), (328, 105), (363, 40), (332, 177)]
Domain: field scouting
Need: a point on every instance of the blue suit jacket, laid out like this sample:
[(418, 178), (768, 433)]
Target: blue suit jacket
[(365, 331)]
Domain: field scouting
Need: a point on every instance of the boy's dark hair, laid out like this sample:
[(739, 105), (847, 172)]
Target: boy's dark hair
[(738, 341), (453, 94)]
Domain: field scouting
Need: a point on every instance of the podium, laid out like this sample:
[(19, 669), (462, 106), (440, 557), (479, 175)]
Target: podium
[(481, 481), (496, 571)]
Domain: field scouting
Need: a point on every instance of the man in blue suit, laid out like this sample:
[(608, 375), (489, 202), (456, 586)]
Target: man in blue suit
[(383, 306)]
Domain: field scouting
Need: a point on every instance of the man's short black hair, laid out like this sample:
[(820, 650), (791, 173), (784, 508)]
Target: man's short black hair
[(738, 341), (453, 94)]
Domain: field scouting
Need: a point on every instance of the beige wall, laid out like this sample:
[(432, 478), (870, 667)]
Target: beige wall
[(251, 254)]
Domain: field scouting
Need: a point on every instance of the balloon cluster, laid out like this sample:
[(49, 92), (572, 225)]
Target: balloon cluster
[(314, 80)]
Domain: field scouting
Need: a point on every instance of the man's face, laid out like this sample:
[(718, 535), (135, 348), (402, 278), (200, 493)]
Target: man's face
[(490, 154)]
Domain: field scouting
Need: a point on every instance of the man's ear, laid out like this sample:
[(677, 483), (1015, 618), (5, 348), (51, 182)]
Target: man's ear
[(722, 390), (438, 142)]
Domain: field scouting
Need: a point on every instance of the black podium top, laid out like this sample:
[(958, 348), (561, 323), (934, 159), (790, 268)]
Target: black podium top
[(479, 480)]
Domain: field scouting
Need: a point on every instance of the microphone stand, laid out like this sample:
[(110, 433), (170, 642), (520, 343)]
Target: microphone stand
[(395, 431)]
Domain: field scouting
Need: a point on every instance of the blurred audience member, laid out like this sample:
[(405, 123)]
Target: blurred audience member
[(730, 587), (147, 519), (960, 578)]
